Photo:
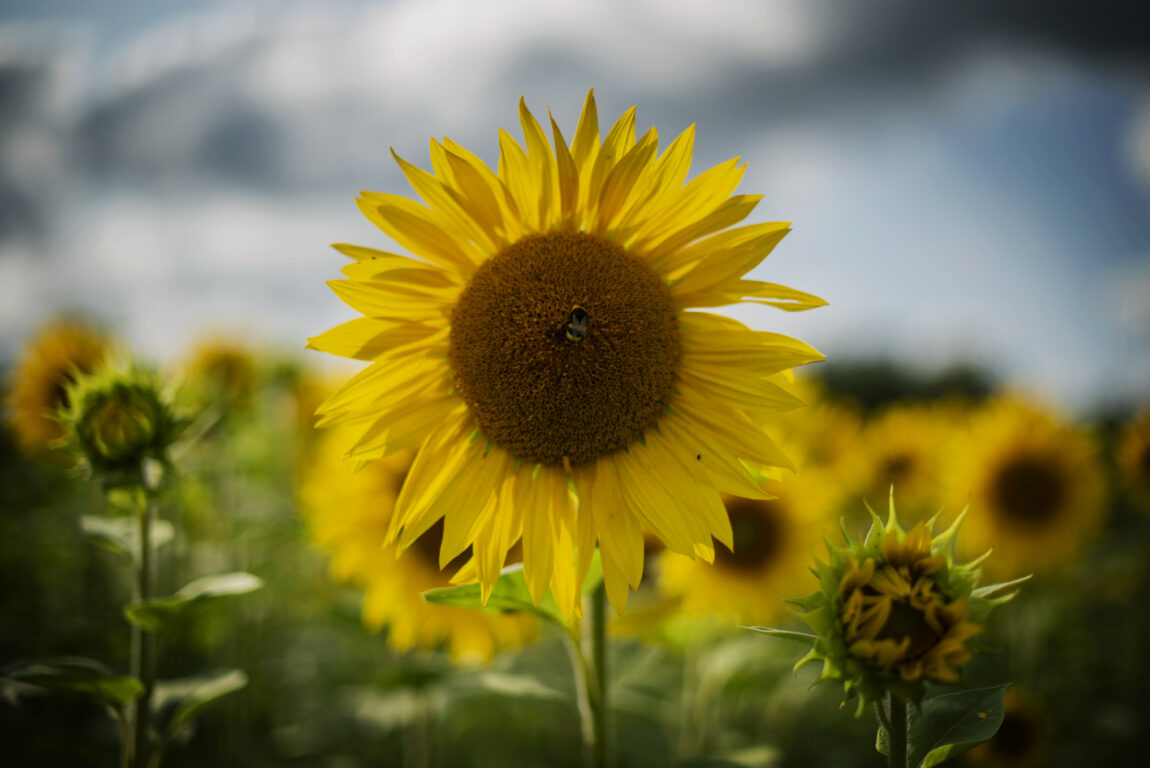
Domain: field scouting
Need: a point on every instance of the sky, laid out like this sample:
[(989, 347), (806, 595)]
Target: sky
[(967, 181)]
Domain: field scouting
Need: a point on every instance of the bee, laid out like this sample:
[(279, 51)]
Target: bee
[(577, 324)]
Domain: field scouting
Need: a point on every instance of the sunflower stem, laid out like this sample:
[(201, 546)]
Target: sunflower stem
[(896, 726), (595, 636), (143, 660)]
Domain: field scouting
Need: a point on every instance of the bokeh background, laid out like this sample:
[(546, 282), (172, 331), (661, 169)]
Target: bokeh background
[(969, 184), (980, 167)]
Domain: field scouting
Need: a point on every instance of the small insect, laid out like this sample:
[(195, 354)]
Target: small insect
[(577, 324)]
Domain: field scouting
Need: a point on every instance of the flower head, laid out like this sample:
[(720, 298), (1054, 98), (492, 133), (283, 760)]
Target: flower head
[(537, 352), (895, 611), (1034, 483), (52, 360), (119, 417), (348, 510), (222, 371)]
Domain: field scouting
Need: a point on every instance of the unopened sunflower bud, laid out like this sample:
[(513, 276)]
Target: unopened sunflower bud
[(118, 419), (895, 611)]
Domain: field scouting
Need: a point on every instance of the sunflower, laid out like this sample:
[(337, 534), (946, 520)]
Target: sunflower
[(51, 362), (1134, 456), (222, 371), (1022, 741), (774, 540), (537, 353), (896, 610), (824, 436), (903, 448), (1034, 484), (347, 513)]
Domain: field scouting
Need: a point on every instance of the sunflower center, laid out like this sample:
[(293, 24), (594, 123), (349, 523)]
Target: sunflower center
[(908, 622), (565, 347), (1029, 490), (1015, 738), (896, 468), (758, 531), (426, 547)]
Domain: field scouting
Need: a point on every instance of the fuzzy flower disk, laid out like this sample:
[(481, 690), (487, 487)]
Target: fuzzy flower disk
[(536, 351)]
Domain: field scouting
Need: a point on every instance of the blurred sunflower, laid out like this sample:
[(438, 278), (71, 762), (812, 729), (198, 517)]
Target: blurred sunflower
[(347, 513), (1134, 456), (1035, 486), (1022, 741), (539, 344), (774, 542), (823, 436), (902, 447), (52, 360), (222, 371)]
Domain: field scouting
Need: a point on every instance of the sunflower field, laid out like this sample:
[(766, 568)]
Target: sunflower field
[(567, 472)]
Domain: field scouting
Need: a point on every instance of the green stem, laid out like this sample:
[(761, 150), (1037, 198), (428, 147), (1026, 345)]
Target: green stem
[(896, 730), (143, 642), (582, 698), (595, 635)]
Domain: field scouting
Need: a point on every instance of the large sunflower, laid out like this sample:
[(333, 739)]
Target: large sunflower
[(537, 352), (347, 513), (52, 360), (1034, 485)]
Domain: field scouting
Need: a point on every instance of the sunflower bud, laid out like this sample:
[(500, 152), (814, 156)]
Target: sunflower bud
[(895, 611), (119, 418)]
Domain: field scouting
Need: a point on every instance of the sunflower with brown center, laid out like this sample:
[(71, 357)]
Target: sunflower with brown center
[(895, 611), (51, 362), (773, 542), (347, 514), (1035, 486), (537, 353)]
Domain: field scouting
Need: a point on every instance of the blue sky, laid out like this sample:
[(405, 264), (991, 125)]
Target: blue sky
[(966, 183)]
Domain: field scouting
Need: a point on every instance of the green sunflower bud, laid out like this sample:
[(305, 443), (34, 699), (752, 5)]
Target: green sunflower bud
[(895, 611), (119, 418)]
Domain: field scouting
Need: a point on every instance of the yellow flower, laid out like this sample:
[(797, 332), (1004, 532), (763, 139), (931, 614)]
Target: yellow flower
[(1022, 741), (51, 361), (824, 436), (1036, 490), (1134, 456), (896, 610), (347, 513), (903, 448), (538, 354), (222, 371), (774, 540)]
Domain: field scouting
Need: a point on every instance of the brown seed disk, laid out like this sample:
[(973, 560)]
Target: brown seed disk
[(545, 394), (758, 529), (1029, 490)]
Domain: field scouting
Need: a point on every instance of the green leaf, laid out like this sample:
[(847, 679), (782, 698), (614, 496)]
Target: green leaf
[(786, 634), (119, 534), (882, 741), (160, 614), (191, 696), (73, 673), (510, 595), (518, 687), (948, 725)]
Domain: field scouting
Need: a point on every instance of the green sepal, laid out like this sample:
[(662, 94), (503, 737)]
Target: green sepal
[(160, 614), (786, 634)]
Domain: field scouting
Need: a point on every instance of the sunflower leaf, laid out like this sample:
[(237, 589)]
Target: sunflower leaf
[(119, 534), (81, 675), (158, 614), (510, 595), (948, 725), (191, 696)]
